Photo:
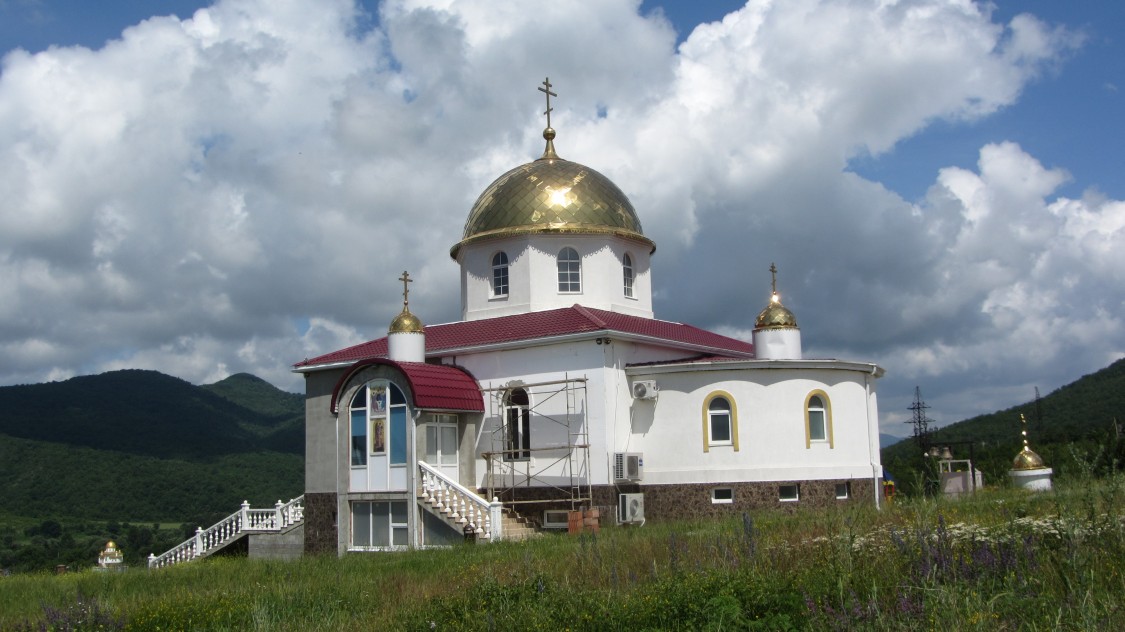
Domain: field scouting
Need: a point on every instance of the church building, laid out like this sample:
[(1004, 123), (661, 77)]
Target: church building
[(559, 391)]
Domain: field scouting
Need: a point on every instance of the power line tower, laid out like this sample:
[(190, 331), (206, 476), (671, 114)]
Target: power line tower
[(920, 421)]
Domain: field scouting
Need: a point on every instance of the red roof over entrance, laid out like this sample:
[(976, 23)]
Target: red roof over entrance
[(435, 386)]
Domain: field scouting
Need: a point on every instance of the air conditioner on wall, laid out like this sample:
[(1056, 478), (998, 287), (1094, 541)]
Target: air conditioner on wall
[(628, 466), (631, 508), (645, 389)]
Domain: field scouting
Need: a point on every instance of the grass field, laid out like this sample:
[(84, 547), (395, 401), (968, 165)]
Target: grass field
[(1002, 560)]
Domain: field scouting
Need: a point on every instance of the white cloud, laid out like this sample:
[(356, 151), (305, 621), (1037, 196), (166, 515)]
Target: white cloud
[(179, 198)]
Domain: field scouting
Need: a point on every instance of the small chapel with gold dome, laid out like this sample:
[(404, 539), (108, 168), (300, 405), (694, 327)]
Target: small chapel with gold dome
[(559, 392)]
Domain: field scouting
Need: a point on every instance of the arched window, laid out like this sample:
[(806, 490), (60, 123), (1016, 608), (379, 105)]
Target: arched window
[(517, 429), (818, 419), (720, 421), (570, 271), (500, 275), (627, 270)]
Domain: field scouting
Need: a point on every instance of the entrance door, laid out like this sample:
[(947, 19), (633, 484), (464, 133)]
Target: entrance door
[(441, 445)]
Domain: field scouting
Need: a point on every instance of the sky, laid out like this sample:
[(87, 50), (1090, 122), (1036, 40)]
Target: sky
[(212, 188)]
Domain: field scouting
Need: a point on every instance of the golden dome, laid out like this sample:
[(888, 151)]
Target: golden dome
[(551, 195), (406, 322), (1027, 459), (776, 316)]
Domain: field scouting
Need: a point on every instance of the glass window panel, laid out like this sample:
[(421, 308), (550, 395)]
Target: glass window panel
[(431, 445), (719, 403), (359, 437), (380, 524), (449, 445), (816, 425), (816, 402), (361, 524), (398, 435), (398, 512), (720, 427), (396, 395), (400, 536)]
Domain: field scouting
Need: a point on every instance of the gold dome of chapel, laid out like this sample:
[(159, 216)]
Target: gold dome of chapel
[(775, 315), (1027, 459), (551, 195)]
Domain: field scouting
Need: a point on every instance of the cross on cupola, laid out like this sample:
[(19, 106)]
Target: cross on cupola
[(773, 284), (546, 89), (405, 278), (549, 132)]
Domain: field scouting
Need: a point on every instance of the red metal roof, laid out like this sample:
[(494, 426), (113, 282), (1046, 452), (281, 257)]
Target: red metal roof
[(540, 325), (435, 386)]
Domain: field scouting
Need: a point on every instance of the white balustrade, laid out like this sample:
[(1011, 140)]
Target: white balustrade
[(459, 504), (225, 531)]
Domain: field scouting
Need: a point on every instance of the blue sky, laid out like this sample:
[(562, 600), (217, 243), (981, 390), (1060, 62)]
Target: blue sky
[(951, 210)]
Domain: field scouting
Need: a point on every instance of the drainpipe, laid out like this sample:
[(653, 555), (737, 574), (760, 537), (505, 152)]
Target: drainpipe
[(412, 482), (870, 446)]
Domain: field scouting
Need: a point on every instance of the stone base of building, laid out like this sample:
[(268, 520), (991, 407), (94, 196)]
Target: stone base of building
[(321, 523), (684, 501)]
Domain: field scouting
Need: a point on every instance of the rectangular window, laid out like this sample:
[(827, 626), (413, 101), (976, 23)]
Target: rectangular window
[(720, 428), (519, 435), (789, 493), (843, 491), (398, 435), (359, 437), (722, 496), (816, 426), (379, 524)]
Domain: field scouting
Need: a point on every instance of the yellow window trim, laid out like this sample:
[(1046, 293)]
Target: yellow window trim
[(827, 419), (733, 419)]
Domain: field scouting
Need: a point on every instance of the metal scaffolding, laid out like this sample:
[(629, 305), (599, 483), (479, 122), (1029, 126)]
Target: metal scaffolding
[(566, 478)]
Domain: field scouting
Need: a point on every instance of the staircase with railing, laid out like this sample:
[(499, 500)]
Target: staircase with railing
[(460, 507), (281, 518)]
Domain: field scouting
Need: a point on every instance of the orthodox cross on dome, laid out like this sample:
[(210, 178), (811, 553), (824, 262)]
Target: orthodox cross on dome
[(774, 298), (405, 278), (1023, 421), (546, 89)]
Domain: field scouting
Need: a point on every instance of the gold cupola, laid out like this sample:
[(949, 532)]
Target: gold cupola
[(554, 196), (406, 337), (1027, 459), (1028, 469), (775, 315), (776, 334)]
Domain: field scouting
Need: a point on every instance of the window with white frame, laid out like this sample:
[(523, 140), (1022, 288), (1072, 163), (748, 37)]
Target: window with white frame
[(722, 496), (719, 422), (500, 275), (627, 271), (570, 271), (789, 493), (818, 419), (377, 524), (517, 425), (441, 441), (843, 491)]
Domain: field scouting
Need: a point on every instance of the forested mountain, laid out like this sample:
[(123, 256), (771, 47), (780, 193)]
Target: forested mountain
[(141, 445), (1078, 426)]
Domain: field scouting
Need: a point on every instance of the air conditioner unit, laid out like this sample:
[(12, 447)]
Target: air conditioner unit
[(630, 508), (645, 389), (628, 466)]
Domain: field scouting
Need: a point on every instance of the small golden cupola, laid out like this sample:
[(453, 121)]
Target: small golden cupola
[(776, 334), (406, 337), (1028, 469)]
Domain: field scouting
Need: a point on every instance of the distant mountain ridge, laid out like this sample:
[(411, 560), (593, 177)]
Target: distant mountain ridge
[(141, 445)]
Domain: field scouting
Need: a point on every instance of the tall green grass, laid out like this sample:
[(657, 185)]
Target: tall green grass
[(1000, 560)]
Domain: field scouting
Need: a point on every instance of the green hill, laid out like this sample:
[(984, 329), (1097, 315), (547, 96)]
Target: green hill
[(140, 445), (1079, 429)]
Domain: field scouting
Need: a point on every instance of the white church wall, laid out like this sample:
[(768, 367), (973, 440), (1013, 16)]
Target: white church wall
[(771, 426), (533, 276)]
